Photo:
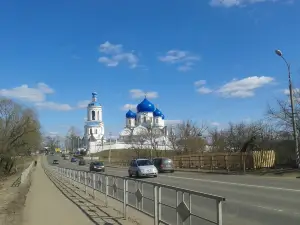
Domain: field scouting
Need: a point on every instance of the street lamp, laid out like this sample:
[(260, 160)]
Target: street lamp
[(295, 133)]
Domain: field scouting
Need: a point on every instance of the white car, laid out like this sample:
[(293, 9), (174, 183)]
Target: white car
[(142, 168)]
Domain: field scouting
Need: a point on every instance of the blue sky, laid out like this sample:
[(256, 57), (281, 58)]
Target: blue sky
[(209, 60)]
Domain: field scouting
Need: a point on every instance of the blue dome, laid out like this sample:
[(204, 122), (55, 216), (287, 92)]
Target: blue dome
[(130, 114), (157, 112), (163, 116), (145, 106)]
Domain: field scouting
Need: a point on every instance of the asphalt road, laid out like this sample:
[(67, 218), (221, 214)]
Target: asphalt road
[(250, 200)]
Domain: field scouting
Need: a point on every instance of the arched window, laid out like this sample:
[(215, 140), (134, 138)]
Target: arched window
[(91, 131), (145, 120), (95, 131), (98, 115), (93, 115), (129, 121)]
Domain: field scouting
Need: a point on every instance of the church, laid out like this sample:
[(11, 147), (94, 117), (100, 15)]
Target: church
[(94, 126), (146, 119)]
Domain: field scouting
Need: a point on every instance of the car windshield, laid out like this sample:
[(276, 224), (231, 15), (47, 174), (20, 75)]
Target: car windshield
[(98, 163), (144, 162), (167, 161)]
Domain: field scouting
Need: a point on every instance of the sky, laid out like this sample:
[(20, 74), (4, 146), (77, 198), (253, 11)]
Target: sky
[(202, 60)]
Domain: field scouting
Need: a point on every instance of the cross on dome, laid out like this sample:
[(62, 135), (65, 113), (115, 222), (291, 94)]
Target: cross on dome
[(94, 96)]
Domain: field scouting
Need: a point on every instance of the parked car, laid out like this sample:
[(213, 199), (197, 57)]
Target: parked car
[(81, 162), (142, 168), (66, 157), (97, 166), (55, 161), (73, 159), (163, 164)]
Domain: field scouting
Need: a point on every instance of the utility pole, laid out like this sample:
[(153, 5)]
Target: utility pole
[(109, 157)]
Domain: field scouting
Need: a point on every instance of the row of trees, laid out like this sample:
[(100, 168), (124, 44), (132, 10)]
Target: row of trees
[(20, 133), (72, 141), (273, 132)]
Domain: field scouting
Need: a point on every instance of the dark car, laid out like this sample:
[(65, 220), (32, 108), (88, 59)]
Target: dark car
[(163, 164), (55, 161), (81, 162), (97, 167), (73, 159)]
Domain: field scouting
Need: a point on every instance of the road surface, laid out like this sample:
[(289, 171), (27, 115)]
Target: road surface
[(250, 200)]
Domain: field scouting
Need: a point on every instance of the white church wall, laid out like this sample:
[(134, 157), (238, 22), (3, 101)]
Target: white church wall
[(98, 113), (129, 146)]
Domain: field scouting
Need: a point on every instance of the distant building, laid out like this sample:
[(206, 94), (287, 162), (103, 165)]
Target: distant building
[(147, 118), (94, 126)]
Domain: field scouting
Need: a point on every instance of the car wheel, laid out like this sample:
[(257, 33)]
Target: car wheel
[(172, 171), (155, 175), (129, 174)]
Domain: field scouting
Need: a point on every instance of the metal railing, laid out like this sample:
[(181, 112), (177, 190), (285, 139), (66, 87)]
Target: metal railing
[(134, 196)]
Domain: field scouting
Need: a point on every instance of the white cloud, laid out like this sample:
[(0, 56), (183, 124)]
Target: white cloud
[(53, 106), (36, 95), (126, 107), (204, 90), (200, 88), (83, 104), (287, 91), (138, 93), (184, 59), (237, 88), (116, 54), (26, 93), (245, 87), (241, 3), (215, 124), (199, 82)]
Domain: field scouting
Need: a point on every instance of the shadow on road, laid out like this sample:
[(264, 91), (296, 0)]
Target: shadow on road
[(91, 210)]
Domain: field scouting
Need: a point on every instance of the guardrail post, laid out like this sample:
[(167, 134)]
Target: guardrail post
[(159, 205), (106, 190), (125, 197), (94, 185), (85, 183), (219, 213), (155, 205)]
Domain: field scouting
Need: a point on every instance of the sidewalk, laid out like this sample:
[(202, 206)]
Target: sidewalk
[(47, 205)]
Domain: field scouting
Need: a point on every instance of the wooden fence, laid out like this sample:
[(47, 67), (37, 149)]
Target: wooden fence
[(228, 161), (220, 161)]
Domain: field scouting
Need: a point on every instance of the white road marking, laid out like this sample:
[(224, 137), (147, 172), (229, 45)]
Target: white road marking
[(268, 208), (236, 184)]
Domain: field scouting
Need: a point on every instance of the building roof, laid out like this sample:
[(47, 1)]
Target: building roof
[(145, 106), (130, 114), (157, 113)]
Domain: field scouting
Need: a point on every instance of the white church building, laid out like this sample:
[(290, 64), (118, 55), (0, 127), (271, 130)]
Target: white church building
[(147, 118), (94, 126)]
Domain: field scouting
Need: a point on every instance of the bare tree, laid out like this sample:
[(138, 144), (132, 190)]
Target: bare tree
[(52, 142), (188, 137), (19, 132), (73, 138), (282, 113)]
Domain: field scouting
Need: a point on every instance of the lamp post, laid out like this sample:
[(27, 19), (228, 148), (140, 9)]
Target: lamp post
[(109, 147), (295, 133)]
